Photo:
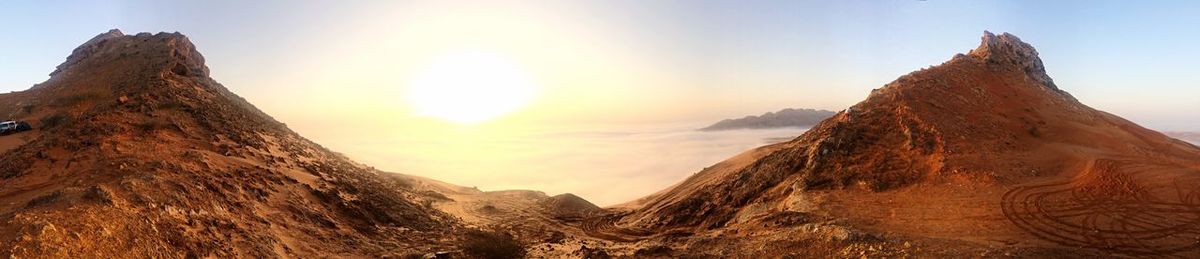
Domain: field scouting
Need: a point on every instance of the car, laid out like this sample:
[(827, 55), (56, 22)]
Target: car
[(10, 127), (6, 126)]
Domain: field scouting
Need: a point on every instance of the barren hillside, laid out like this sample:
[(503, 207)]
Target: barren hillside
[(981, 155), (137, 152)]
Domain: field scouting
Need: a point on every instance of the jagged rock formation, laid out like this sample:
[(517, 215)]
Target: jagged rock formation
[(88, 48), (139, 153), (965, 142), (783, 118), (1007, 51)]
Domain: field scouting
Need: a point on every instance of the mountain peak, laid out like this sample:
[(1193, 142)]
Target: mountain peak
[(1007, 50), (173, 48), (114, 33), (1003, 47)]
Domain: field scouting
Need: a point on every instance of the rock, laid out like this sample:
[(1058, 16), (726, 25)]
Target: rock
[(87, 49), (1007, 50), (591, 253), (439, 255)]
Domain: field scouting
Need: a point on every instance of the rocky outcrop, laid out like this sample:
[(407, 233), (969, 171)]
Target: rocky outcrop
[(87, 49), (1006, 51), (112, 45)]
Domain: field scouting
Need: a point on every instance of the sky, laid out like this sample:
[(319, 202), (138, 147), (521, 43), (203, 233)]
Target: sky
[(333, 70), (662, 60)]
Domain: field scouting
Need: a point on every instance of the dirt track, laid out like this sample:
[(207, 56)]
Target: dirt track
[(605, 227), (1109, 208)]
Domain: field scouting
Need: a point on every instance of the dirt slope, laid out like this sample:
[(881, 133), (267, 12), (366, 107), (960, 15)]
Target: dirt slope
[(983, 153), (138, 153)]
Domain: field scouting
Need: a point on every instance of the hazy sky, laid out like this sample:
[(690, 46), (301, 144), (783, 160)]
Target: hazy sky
[(660, 60), (335, 68)]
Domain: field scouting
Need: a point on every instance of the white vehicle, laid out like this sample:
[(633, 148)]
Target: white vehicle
[(10, 127), (7, 126)]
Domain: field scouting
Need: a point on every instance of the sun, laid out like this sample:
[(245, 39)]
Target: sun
[(469, 87)]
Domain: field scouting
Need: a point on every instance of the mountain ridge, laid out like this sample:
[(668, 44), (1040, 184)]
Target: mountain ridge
[(787, 117)]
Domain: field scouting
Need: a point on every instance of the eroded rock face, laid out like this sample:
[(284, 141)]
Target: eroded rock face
[(88, 49), (184, 59), (1008, 51)]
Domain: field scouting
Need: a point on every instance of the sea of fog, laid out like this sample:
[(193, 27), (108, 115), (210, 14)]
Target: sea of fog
[(607, 166)]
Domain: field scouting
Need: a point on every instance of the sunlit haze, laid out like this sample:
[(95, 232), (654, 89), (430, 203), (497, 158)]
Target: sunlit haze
[(470, 87), (599, 98)]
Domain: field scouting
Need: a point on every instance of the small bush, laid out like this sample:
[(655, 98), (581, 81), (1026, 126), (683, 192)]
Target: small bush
[(402, 183), (44, 199), (56, 120), (72, 100), (151, 126), (169, 105), (484, 244), (1033, 131)]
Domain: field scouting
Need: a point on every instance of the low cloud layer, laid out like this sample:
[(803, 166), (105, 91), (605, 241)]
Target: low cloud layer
[(605, 167)]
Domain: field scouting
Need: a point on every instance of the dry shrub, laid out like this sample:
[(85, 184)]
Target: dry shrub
[(486, 244), (151, 125), (59, 119)]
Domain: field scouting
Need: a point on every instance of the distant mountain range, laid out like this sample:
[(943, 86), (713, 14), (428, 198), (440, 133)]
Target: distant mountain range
[(782, 118), (1193, 137)]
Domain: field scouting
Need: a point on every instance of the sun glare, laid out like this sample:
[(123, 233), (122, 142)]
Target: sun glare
[(470, 87)]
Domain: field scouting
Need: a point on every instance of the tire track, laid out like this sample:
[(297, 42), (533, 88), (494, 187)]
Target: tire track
[(1107, 208), (605, 227)]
